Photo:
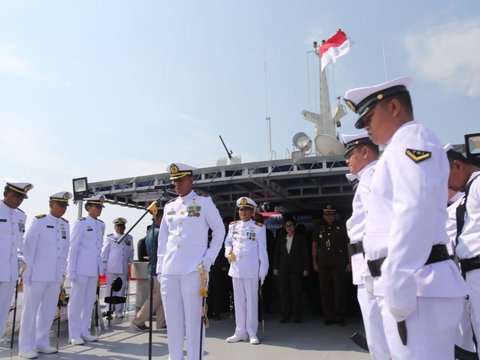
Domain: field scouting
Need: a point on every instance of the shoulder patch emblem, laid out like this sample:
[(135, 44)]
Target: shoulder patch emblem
[(418, 155), (172, 200), (201, 193), (40, 216)]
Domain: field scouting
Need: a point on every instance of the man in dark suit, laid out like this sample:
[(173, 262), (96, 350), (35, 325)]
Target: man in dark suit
[(291, 263)]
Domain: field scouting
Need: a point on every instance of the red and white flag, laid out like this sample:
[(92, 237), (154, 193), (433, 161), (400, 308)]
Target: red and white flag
[(335, 47)]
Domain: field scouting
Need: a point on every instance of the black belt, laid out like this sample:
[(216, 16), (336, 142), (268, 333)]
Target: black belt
[(356, 248), (470, 264), (439, 253)]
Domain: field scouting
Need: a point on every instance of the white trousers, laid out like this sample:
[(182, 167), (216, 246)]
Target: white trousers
[(431, 329), (40, 300), (80, 305), (7, 289), (372, 320), (473, 283), (465, 330), (110, 278), (183, 310), (245, 297)]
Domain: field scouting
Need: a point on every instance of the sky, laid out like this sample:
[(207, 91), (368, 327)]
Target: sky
[(115, 89)]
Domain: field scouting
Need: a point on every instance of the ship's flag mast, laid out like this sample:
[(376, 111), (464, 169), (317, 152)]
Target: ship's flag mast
[(326, 142)]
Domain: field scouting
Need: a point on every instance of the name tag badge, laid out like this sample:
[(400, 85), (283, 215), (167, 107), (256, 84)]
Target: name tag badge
[(49, 226)]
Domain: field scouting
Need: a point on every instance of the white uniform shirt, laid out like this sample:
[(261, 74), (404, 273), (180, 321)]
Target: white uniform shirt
[(248, 242), (469, 240), (117, 256), (406, 216), (356, 222), (12, 230), (183, 234), (84, 256), (45, 248), (452, 221)]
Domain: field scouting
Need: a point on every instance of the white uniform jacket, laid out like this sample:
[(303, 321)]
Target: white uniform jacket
[(183, 234), (45, 248), (469, 240), (117, 256), (84, 256), (356, 222), (452, 221), (12, 230), (406, 216), (248, 242)]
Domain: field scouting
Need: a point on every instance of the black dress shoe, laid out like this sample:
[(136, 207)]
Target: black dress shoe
[(328, 322), (297, 321), (341, 323), (217, 317), (284, 320)]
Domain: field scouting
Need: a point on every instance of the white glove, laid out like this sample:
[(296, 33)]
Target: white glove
[(262, 279), (368, 280), (206, 264), (399, 314), (73, 277), (21, 265)]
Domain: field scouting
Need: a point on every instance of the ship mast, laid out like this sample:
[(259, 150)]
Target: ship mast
[(326, 142)]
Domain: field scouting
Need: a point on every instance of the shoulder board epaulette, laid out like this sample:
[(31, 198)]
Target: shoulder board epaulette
[(21, 210), (110, 234), (100, 220), (258, 223), (201, 193), (233, 222), (172, 200), (40, 216), (418, 155), (65, 220), (82, 218)]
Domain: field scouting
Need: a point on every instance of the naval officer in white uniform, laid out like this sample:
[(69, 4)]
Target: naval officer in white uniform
[(246, 251), (362, 156), (84, 265), (183, 247), (465, 176), (12, 229), (45, 251), (417, 284), (117, 257)]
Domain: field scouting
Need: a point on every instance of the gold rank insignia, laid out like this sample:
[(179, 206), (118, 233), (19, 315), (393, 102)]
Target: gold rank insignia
[(418, 155)]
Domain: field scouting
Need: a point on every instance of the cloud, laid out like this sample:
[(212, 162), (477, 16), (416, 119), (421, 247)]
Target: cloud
[(447, 54), (11, 62)]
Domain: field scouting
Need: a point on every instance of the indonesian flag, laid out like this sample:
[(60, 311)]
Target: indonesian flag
[(335, 47)]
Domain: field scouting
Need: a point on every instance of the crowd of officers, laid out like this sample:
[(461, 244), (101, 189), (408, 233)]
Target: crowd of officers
[(48, 252), (405, 250)]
